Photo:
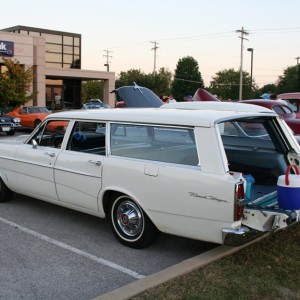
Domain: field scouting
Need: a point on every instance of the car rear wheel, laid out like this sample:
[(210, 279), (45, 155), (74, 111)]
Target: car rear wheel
[(131, 226), (5, 192)]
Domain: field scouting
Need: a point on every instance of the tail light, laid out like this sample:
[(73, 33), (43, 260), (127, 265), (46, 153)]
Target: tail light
[(239, 201)]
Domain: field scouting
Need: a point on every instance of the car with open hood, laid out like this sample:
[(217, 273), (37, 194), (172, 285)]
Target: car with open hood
[(136, 96)]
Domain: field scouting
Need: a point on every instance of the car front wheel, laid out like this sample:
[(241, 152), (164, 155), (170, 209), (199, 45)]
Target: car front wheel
[(5, 192), (12, 132), (37, 122), (131, 226)]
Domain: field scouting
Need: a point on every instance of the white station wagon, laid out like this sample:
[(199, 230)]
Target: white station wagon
[(175, 171)]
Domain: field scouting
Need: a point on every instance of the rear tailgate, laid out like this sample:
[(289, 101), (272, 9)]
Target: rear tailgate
[(264, 214)]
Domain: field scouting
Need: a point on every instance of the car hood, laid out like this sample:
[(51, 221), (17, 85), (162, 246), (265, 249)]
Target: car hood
[(4, 118), (203, 95), (136, 96)]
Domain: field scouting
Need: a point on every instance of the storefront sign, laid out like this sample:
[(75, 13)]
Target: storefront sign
[(6, 48)]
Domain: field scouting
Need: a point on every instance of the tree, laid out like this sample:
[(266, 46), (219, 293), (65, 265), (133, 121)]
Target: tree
[(15, 84), (129, 77), (268, 88), (92, 90), (159, 83), (289, 81), (226, 84), (162, 82), (187, 78)]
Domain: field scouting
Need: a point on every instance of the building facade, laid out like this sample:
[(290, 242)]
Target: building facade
[(56, 60)]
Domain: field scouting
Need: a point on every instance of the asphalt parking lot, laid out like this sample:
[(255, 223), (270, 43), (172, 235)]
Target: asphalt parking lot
[(50, 252)]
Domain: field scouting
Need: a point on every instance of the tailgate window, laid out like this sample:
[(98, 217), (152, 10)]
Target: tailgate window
[(253, 146)]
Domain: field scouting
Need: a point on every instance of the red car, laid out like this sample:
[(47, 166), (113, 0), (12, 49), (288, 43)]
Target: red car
[(293, 100), (30, 116), (281, 108)]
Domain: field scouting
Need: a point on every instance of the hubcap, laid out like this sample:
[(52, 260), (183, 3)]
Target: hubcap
[(129, 218)]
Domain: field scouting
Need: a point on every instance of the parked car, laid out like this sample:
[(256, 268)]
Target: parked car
[(14, 120), (8, 124), (30, 116), (136, 96), (128, 165), (95, 104), (292, 99), (282, 109)]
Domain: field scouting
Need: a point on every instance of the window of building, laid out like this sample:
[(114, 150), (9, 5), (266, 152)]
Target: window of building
[(68, 40), (62, 51)]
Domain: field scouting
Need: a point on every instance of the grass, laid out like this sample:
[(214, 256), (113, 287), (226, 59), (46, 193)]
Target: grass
[(269, 269)]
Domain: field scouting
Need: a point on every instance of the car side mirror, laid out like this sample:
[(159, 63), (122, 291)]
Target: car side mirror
[(34, 144)]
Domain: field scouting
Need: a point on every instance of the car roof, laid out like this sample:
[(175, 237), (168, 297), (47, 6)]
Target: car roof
[(185, 117), (295, 95), (265, 103), (218, 106)]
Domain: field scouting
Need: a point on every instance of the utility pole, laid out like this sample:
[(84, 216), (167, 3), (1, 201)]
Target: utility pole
[(242, 32), (298, 75), (107, 59), (154, 48), (297, 58)]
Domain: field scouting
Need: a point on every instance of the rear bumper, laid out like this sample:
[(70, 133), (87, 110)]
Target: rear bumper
[(239, 236)]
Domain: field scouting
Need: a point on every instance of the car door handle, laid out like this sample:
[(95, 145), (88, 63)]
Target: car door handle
[(50, 154), (96, 162)]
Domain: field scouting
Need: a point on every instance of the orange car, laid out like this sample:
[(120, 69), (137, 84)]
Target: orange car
[(30, 116)]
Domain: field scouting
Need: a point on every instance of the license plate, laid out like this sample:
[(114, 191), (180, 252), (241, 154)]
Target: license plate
[(5, 128)]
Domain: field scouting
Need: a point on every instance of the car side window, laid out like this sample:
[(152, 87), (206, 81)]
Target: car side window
[(88, 137), (51, 134), (164, 144), (23, 110)]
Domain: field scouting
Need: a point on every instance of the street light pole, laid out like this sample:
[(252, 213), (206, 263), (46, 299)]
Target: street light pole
[(251, 73)]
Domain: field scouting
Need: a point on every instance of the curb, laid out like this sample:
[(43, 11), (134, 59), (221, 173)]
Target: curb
[(137, 287)]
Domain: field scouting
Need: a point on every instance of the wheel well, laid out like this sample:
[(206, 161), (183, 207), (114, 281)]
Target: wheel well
[(107, 200), (37, 121)]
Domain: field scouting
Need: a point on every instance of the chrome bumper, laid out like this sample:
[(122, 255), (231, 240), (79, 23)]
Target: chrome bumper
[(239, 236)]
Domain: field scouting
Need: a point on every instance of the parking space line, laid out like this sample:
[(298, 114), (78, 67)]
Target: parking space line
[(75, 250)]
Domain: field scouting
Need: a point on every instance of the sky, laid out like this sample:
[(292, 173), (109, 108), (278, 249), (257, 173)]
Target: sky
[(205, 30)]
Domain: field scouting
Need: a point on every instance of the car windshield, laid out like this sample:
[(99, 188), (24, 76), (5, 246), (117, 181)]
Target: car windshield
[(95, 105), (280, 109), (292, 106), (36, 110)]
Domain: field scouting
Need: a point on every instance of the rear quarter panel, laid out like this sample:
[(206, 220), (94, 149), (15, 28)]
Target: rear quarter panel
[(191, 201)]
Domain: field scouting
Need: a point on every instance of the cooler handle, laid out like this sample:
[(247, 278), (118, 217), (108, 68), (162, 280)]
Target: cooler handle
[(287, 172)]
